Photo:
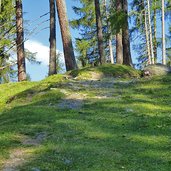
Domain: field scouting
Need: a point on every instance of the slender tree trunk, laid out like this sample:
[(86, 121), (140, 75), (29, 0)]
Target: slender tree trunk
[(127, 60), (163, 34), (111, 50), (145, 15), (110, 40), (20, 42), (0, 5), (99, 31), (52, 58), (155, 33), (147, 38), (109, 32), (119, 43), (70, 61), (151, 37)]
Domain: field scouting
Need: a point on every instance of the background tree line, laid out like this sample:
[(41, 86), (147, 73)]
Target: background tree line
[(106, 29)]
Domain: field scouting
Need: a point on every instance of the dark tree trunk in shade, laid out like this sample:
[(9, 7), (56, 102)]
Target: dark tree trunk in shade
[(52, 57), (119, 45), (127, 60), (20, 42), (70, 61), (99, 31)]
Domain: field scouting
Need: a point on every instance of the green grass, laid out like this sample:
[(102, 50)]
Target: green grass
[(129, 131), (108, 70)]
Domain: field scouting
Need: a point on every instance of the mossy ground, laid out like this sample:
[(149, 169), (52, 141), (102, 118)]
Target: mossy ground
[(108, 70), (127, 130)]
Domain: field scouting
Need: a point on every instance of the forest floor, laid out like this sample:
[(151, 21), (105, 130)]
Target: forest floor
[(86, 124)]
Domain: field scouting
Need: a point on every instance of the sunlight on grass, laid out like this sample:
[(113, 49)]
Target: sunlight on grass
[(155, 140), (98, 135), (162, 156), (148, 106), (129, 129)]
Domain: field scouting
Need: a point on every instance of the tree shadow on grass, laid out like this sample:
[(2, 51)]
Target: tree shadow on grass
[(88, 139), (107, 134)]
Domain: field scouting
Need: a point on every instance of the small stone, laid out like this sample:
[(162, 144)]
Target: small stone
[(66, 161), (129, 110)]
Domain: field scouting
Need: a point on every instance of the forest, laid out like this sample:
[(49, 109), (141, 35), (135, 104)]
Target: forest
[(105, 102)]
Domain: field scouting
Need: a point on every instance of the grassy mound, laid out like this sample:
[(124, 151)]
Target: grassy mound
[(108, 70), (25, 93)]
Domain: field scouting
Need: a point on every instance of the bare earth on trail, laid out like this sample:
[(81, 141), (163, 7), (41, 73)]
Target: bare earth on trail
[(75, 98), (19, 156)]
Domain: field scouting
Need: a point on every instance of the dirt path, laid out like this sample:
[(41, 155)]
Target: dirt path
[(75, 92), (20, 156)]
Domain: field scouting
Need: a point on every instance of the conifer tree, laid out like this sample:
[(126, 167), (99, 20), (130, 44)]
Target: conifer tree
[(99, 31), (163, 34), (52, 57), (155, 7), (106, 9), (86, 24), (20, 42), (119, 43), (70, 61), (127, 60), (150, 31), (7, 36)]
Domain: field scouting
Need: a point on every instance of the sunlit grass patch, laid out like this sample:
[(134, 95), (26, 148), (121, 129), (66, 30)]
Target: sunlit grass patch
[(155, 140), (108, 70)]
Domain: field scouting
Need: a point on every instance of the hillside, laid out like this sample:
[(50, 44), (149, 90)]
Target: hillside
[(114, 121)]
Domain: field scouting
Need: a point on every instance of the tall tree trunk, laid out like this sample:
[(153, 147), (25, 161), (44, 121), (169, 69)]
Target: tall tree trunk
[(99, 31), (109, 32), (0, 6), (119, 44), (163, 34), (52, 57), (20, 42), (111, 50), (145, 17), (70, 61), (127, 60), (155, 33), (150, 29), (147, 37)]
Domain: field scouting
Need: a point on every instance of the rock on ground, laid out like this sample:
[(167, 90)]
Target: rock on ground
[(156, 70)]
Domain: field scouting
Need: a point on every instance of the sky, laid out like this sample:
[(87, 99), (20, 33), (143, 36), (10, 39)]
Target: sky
[(38, 41)]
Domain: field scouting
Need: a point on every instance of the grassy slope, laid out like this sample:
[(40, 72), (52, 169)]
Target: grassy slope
[(108, 70), (128, 131)]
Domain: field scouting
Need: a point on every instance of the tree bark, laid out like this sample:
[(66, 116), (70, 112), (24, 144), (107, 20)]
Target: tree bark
[(127, 60), (150, 29), (146, 33), (147, 39), (155, 33), (163, 34), (52, 57), (70, 61), (111, 50), (119, 45), (20, 42), (109, 32), (99, 31)]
